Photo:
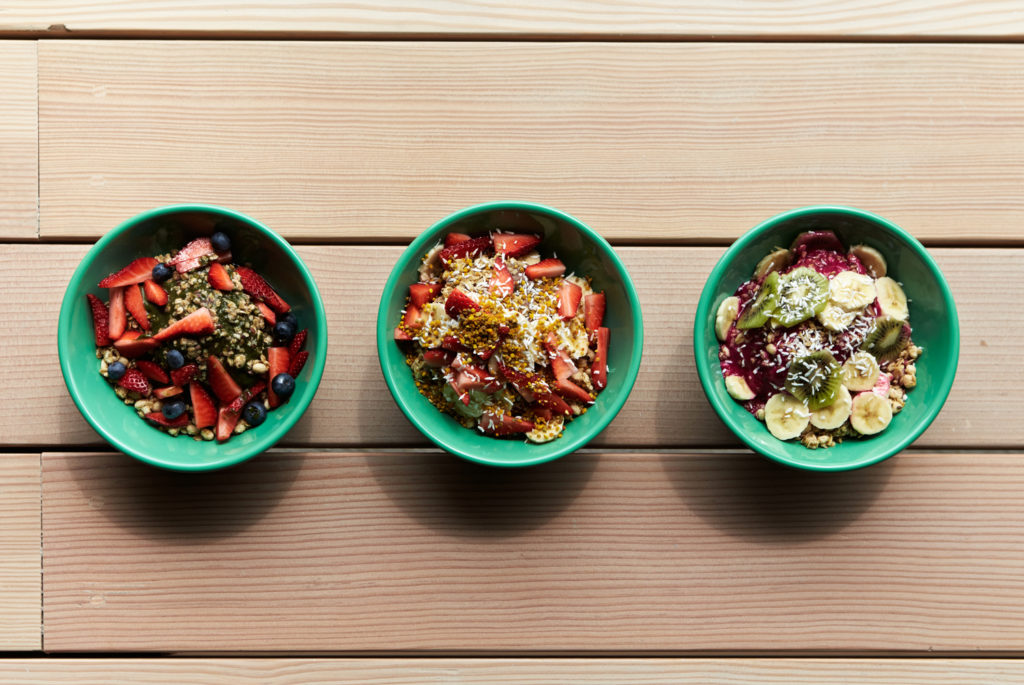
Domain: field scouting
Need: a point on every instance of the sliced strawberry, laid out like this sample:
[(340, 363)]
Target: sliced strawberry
[(454, 238), (503, 331), (136, 272), (599, 370), (569, 295), (190, 256), (401, 336), (135, 306), (421, 293), (184, 375), (130, 334), (267, 313), (514, 244), (593, 311), (218, 277), (462, 395), (450, 342), (298, 342), (493, 423), (279, 362), (553, 402), (252, 391), (169, 391), (501, 280), (298, 361), (530, 386), (100, 320), (204, 412), (570, 391), (159, 418), (543, 413), (134, 381), (118, 321), (223, 385), (562, 365), (474, 247), (226, 422), (259, 290), (152, 371), (471, 377), (458, 302), (199, 322), (413, 316), (438, 358), (546, 268), (154, 292), (134, 347)]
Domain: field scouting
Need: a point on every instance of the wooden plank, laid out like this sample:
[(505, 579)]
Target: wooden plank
[(595, 553), (533, 18), (20, 564), (672, 142), (18, 146), (667, 407), (499, 671)]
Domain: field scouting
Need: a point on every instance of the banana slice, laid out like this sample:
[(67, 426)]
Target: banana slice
[(835, 414), (870, 413), (777, 260), (892, 298), (860, 372), (871, 258), (738, 388), (851, 290), (836, 318), (786, 416), (727, 312), (548, 432)]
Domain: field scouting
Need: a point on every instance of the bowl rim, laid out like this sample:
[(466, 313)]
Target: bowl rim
[(301, 401), (700, 331), (628, 376)]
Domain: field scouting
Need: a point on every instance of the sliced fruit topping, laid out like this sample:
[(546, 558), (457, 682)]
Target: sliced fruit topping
[(834, 415), (759, 310), (199, 322), (134, 381), (818, 240), (887, 338), (154, 293), (593, 311), (161, 272), (550, 400), (260, 290), (836, 318), (860, 372), (100, 320), (152, 371), (514, 244), (438, 358), (569, 296), (786, 416), (422, 293), (494, 423), (218, 277), (803, 293), (402, 336), (455, 238), (249, 393), (135, 306), (872, 259), (450, 342), (226, 422), (738, 388), (599, 369), (546, 268), (267, 312), (851, 290), (570, 391), (169, 391), (547, 430), (221, 382), (881, 387), (562, 365), (136, 272), (775, 261), (814, 379), (191, 256), (298, 361), (161, 418), (473, 248), (298, 342), (118, 314), (870, 413), (134, 347), (458, 302), (502, 284), (892, 299), (279, 361), (725, 315), (185, 374)]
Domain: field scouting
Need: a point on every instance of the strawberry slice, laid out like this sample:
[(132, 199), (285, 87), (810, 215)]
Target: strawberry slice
[(514, 244), (298, 361), (546, 268), (501, 280), (184, 375), (223, 385), (190, 257), (570, 391), (267, 313), (450, 342), (136, 272), (159, 418), (528, 385), (471, 377), (169, 391), (553, 402), (247, 394), (438, 358), (204, 412), (569, 295), (298, 342), (413, 316), (593, 311), (259, 290), (277, 357), (226, 422), (421, 293), (154, 292), (562, 365), (152, 371), (133, 347), (458, 302), (543, 413), (199, 322), (455, 238), (134, 381), (135, 306), (463, 396), (100, 320), (474, 247), (599, 371), (503, 331), (118, 320), (218, 277), (402, 336), (493, 423)]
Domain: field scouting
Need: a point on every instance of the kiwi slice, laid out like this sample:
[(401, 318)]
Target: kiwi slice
[(815, 378), (757, 313), (803, 292), (886, 338)]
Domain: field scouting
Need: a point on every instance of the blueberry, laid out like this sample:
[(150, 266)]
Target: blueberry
[(220, 241), (161, 272), (254, 413), (173, 409), (116, 371), (175, 359), (284, 331), (290, 318), (283, 385)]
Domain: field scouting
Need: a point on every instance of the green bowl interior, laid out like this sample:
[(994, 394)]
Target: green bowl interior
[(166, 230), (585, 253), (932, 316)]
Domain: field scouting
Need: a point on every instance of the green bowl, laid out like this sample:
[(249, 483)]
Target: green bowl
[(583, 251), (932, 316), (165, 230)]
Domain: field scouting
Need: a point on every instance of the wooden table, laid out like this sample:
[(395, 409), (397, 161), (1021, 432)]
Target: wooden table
[(663, 553)]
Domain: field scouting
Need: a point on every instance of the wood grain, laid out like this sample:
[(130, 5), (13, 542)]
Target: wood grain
[(499, 671), (18, 145), (575, 18), (688, 142), (20, 565), (646, 552), (666, 409)]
